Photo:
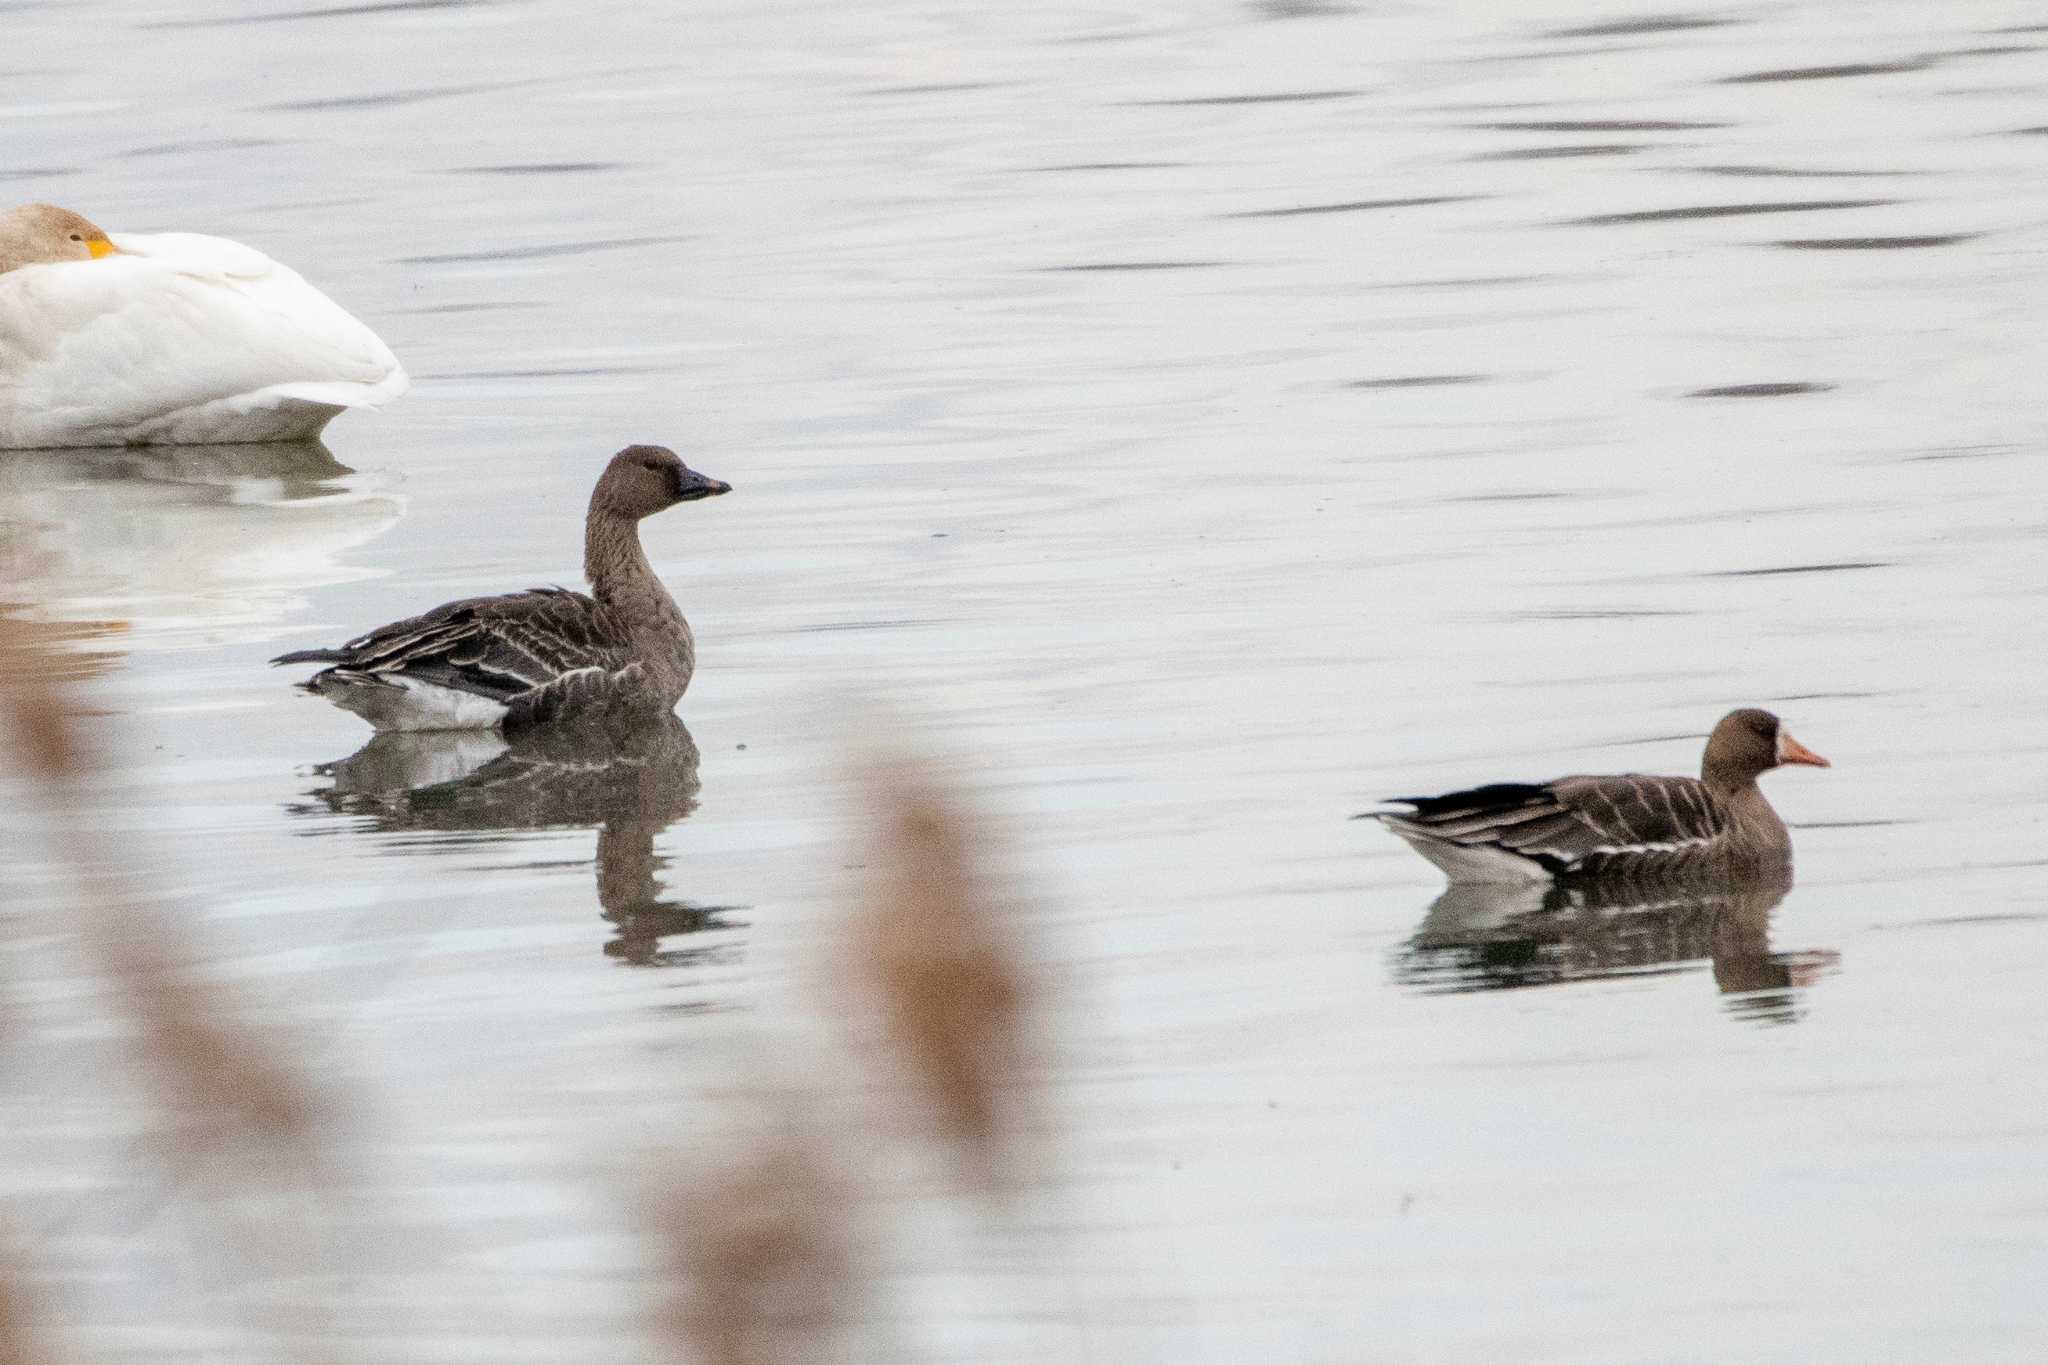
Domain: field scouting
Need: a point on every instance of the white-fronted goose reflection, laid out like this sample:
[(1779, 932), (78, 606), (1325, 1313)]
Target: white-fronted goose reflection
[(629, 779), (1482, 936)]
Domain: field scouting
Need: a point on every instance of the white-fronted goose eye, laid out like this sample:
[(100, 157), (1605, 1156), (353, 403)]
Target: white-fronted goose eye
[(169, 338), (545, 654), (1626, 825)]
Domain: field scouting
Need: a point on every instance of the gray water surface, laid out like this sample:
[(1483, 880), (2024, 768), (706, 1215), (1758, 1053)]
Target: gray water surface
[(1201, 422)]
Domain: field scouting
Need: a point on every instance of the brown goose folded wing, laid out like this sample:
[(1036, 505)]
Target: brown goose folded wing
[(500, 648)]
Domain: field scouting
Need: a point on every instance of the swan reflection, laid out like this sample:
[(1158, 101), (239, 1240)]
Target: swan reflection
[(168, 542), (1491, 937), (628, 779)]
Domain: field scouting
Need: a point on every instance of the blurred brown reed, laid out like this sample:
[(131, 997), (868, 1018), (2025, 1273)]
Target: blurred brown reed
[(215, 1077), (30, 703), (19, 1342), (208, 1065), (760, 1248), (932, 952)]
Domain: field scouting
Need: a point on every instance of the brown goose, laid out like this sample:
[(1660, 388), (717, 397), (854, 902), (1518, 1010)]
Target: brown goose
[(544, 654), (1628, 825)]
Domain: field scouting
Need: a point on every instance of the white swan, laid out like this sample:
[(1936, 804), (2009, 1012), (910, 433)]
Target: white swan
[(169, 339)]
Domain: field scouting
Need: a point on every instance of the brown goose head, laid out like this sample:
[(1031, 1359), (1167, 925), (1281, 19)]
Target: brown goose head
[(1747, 744), (643, 480), (43, 234)]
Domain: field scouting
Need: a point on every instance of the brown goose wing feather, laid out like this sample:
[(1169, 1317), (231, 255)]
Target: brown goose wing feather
[(580, 692), (496, 647)]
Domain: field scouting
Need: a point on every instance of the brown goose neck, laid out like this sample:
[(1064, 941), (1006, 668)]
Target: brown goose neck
[(612, 558)]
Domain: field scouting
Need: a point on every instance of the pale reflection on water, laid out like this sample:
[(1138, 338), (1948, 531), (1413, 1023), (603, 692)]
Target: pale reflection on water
[(169, 546), (627, 781), (1494, 937), (1213, 416)]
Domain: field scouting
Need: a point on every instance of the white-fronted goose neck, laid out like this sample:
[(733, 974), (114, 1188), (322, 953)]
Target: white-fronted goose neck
[(544, 654), (1627, 825)]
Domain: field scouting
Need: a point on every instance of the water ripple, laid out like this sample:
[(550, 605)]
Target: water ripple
[(541, 168), (390, 99), (1293, 97), (1786, 570), (1108, 266), (1112, 166), (934, 88), (1829, 73), (1558, 153), (1877, 243), (1665, 23), (1779, 389), (534, 253), (1418, 381), (1598, 125), (1727, 211), (215, 144), (324, 12), (1355, 206), (1788, 172)]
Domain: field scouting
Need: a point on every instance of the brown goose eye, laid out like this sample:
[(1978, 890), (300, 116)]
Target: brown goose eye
[(651, 464), (76, 238)]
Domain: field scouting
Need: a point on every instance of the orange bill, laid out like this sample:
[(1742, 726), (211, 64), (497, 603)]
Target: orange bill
[(1791, 750)]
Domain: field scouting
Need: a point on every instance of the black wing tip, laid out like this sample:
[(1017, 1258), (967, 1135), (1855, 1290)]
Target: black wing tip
[(309, 656), (1492, 796)]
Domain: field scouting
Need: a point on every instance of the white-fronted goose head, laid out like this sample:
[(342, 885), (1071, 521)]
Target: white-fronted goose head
[(1748, 743), (545, 654), (1626, 825), (43, 234)]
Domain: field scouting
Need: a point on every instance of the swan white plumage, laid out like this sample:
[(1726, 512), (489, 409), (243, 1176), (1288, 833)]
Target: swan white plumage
[(169, 338)]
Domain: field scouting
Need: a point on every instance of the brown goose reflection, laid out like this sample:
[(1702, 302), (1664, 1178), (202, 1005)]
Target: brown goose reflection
[(629, 778), (1490, 937)]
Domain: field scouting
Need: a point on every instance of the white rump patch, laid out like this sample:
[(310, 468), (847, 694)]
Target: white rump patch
[(415, 705), (1474, 862)]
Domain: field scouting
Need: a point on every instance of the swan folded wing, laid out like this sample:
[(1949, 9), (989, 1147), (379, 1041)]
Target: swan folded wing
[(1562, 823), (176, 321), (494, 647)]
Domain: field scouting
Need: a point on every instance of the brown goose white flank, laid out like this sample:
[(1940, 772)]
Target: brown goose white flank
[(544, 654), (1627, 825)]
